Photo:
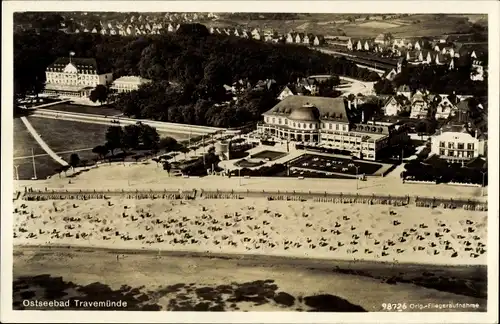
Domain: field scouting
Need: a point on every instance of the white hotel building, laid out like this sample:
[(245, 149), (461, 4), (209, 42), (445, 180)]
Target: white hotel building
[(457, 144), (328, 122), (74, 77), (128, 83)]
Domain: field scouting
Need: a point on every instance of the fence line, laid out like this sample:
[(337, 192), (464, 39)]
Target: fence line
[(276, 195)]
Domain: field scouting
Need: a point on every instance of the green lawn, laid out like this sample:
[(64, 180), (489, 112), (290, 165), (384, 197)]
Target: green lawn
[(23, 141), (63, 135)]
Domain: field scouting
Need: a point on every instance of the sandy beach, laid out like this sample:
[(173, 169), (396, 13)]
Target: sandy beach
[(257, 226)]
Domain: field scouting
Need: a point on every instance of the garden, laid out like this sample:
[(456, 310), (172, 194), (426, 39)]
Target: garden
[(329, 164), (269, 155)]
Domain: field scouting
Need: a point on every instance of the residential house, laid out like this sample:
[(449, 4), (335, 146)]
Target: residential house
[(350, 44), (289, 90), (404, 90), (477, 73), (318, 40), (458, 143), (419, 105), (290, 38), (391, 75), (299, 37), (309, 84), (306, 40), (445, 106), (395, 105), (94, 30)]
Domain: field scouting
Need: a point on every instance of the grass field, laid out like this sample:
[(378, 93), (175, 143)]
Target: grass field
[(23, 141), (417, 25), (63, 135), (45, 166), (103, 111)]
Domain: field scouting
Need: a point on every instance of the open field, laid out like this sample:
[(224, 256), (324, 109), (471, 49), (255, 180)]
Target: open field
[(413, 25), (103, 111), (334, 164), (63, 135), (176, 281), (23, 141), (45, 167)]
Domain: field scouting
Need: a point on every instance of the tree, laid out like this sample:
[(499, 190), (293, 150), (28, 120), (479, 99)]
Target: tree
[(131, 134), (114, 138), (74, 160), (149, 137), (100, 150), (167, 143), (196, 30), (100, 94), (384, 87)]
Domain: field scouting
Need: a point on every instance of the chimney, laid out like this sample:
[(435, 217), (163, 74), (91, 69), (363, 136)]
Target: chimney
[(349, 104), (475, 133), (355, 103), (362, 116)]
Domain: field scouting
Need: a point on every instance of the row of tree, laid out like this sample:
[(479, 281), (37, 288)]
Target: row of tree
[(130, 137), (444, 173)]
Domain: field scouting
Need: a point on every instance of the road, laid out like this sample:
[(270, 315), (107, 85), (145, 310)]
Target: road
[(108, 120)]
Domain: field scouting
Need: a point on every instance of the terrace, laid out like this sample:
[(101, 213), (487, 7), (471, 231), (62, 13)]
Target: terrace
[(331, 165)]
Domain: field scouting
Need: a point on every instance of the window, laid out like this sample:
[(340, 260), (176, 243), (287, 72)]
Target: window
[(470, 146), (322, 125), (470, 154), (460, 146), (450, 145), (274, 120), (441, 144), (336, 126), (294, 124), (345, 128), (286, 121), (450, 152), (441, 152), (329, 125), (279, 120), (310, 125)]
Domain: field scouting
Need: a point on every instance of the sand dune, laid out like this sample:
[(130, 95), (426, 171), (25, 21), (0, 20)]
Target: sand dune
[(258, 226)]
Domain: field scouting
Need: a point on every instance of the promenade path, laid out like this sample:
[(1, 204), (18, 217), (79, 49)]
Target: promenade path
[(42, 143), (140, 176)]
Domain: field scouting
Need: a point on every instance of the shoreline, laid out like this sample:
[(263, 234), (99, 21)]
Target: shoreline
[(263, 257)]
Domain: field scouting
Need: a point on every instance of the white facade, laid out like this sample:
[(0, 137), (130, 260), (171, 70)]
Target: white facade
[(457, 146), (74, 77), (128, 83)]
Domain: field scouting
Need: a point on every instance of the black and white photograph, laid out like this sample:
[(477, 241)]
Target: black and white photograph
[(275, 162)]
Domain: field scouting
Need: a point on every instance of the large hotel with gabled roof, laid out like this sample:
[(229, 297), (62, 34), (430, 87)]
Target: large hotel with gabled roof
[(329, 122)]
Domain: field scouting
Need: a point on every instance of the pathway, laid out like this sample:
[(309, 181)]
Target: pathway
[(42, 143), (58, 153)]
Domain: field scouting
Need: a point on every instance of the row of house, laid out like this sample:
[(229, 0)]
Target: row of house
[(420, 103), (270, 35), (125, 30)]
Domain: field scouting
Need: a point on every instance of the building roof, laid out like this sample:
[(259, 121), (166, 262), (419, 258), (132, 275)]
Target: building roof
[(82, 64), (328, 108), (404, 88), (305, 113)]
